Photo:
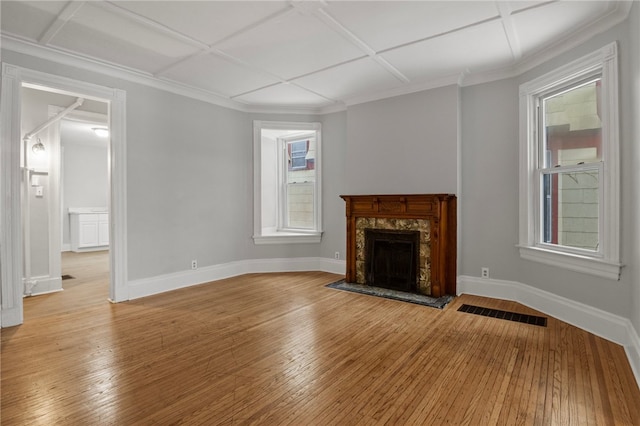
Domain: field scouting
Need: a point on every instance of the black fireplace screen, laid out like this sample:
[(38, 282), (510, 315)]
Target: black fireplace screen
[(392, 259)]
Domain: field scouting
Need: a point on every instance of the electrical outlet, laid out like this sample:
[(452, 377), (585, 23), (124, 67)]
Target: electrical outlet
[(485, 272), (337, 255), (194, 264)]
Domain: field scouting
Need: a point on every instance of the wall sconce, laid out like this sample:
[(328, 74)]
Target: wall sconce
[(101, 131), (37, 147)]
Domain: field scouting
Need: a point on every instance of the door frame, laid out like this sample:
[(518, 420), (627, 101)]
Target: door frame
[(11, 244)]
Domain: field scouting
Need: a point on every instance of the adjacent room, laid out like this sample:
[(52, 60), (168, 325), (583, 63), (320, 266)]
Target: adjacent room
[(320, 212)]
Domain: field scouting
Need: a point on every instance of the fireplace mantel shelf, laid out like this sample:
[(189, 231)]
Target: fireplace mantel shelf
[(438, 209)]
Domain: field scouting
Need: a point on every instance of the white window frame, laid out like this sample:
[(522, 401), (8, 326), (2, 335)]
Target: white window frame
[(605, 262), (279, 234)]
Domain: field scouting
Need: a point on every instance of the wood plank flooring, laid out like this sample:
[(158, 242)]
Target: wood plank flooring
[(283, 349)]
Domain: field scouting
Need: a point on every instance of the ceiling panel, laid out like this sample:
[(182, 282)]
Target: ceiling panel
[(100, 33), (218, 75), (29, 20), (389, 24), (283, 95), (291, 46), (558, 19), (481, 47), (101, 46), (351, 79), (206, 21)]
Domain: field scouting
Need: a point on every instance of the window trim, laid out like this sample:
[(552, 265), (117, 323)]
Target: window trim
[(607, 263), (275, 235)]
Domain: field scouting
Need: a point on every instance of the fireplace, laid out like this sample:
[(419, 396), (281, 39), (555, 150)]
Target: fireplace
[(392, 258), (431, 218)]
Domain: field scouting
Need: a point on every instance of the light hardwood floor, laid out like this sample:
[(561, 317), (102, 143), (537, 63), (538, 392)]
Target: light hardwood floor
[(284, 349)]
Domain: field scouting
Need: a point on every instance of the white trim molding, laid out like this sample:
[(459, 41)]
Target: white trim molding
[(10, 209), (11, 244), (160, 284), (593, 266), (45, 285), (596, 321), (287, 238), (605, 261)]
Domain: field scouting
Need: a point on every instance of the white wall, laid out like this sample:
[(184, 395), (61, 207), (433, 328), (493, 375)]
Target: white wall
[(334, 166), (189, 165), (490, 188), (34, 113), (85, 171), (489, 174), (406, 144)]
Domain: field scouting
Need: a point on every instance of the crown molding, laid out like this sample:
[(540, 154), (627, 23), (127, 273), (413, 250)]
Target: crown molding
[(64, 57), (466, 78), (576, 38), (403, 90), (283, 109), (560, 46)]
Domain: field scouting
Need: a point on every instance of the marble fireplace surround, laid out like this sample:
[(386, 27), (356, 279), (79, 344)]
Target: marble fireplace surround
[(433, 215), (421, 225)]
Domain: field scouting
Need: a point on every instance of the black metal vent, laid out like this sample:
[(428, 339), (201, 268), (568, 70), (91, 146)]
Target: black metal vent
[(510, 316), (67, 277)]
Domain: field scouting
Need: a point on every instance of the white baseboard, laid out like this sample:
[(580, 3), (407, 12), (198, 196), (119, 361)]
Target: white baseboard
[(633, 352), (11, 316), (601, 323), (65, 247), (155, 285), (45, 285), (89, 249)]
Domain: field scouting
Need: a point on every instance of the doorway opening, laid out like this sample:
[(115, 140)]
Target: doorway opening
[(24, 179), (65, 190)]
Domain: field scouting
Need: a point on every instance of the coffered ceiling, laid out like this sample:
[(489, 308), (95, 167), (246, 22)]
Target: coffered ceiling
[(306, 55)]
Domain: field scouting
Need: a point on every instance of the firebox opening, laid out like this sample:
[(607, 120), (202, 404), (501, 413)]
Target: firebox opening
[(392, 259)]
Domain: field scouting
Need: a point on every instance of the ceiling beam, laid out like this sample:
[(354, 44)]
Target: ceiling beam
[(151, 24), (61, 20), (509, 29)]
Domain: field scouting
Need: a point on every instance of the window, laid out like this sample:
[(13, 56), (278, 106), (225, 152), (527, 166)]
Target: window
[(297, 154), (287, 184), (569, 171)]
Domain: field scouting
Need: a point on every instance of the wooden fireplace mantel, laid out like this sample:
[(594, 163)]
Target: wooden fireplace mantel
[(438, 209)]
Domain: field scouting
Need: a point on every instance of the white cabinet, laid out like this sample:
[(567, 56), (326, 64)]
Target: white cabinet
[(103, 229), (89, 231)]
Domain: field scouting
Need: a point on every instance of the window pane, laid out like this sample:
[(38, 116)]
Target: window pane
[(570, 209), (300, 185), (297, 154), (573, 129), (300, 205)]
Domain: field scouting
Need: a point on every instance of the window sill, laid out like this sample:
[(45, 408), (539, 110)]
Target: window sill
[(573, 262), (288, 238)]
